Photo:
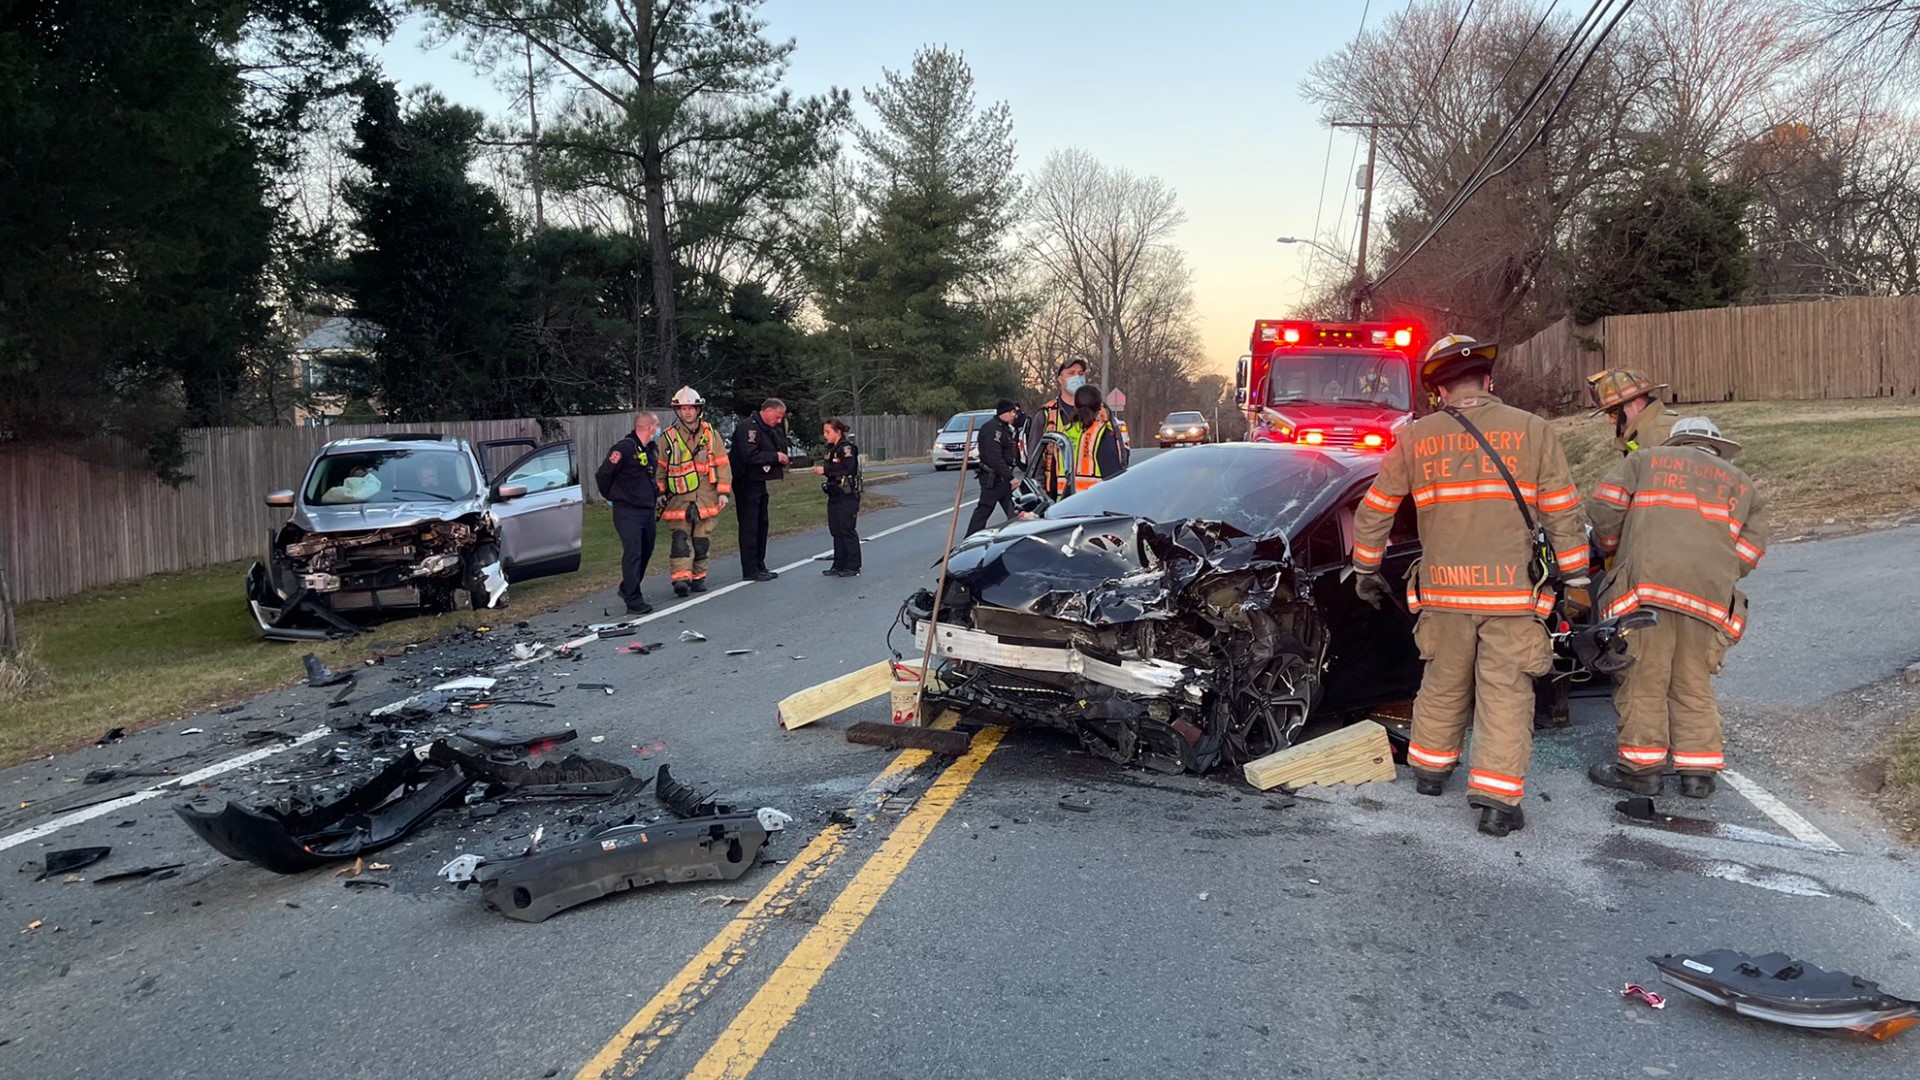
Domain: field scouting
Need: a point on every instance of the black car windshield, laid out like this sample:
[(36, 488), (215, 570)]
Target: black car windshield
[(1184, 418), (389, 476), (1340, 378), (1258, 489)]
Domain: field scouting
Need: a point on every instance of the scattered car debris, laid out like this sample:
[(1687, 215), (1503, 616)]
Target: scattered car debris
[(723, 899), (692, 635), (1640, 810), (638, 648), (113, 735), (108, 776), (901, 736), (739, 652), (67, 860), (574, 646), (1635, 990), (1079, 804), (527, 650), (193, 731), (319, 674), (156, 873), (366, 883), (625, 631), (34, 925), (1781, 990), (537, 885), (685, 800), (605, 687), (471, 682)]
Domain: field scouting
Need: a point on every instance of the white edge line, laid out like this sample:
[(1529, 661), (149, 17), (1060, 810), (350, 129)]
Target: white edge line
[(1803, 830), (179, 783), (174, 786)]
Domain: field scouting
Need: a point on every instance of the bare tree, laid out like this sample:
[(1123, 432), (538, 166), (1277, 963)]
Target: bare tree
[(1100, 229), (1885, 32)]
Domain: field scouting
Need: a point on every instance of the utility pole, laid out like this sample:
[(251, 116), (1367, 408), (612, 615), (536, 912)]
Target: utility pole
[(533, 121), (1366, 209)]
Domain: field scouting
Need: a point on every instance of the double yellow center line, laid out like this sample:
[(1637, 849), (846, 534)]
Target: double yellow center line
[(746, 1040)]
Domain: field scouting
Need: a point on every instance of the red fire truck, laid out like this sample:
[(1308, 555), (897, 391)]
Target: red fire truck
[(1334, 385)]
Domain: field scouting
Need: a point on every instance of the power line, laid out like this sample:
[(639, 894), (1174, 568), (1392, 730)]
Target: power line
[(1319, 206), (1480, 174), (1306, 280), (1440, 68)]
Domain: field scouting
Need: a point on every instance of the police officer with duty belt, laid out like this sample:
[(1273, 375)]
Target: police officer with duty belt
[(626, 480), (758, 454)]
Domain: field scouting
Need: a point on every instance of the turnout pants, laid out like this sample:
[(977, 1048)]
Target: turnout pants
[(691, 538), (750, 510), (992, 493), (1480, 670), (1665, 700), (843, 511), (636, 528)]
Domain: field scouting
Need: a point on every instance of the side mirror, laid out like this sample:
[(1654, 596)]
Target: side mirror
[(509, 491), (282, 498)]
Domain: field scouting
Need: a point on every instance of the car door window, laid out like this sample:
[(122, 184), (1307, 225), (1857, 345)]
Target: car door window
[(544, 470), (1325, 546)]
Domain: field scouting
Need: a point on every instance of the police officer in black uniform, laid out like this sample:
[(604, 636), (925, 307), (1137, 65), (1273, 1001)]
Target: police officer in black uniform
[(758, 454), (626, 481), (999, 462), (842, 485)]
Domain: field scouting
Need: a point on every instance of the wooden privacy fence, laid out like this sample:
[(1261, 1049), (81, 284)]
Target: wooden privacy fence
[(1856, 347), (75, 518)]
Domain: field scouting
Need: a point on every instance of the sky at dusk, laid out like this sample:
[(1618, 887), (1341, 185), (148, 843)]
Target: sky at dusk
[(1204, 95)]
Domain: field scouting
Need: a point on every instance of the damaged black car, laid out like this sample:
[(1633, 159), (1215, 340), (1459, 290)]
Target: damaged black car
[(409, 524), (1195, 609)]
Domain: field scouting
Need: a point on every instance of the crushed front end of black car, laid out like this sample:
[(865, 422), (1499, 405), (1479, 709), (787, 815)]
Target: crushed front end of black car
[(1172, 646)]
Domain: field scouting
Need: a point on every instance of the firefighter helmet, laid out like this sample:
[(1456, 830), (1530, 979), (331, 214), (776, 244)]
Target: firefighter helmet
[(1455, 356), (1614, 387), (687, 395), (1703, 433)]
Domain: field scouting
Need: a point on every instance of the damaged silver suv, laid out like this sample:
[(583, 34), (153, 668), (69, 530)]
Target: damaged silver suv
[(410, 523)]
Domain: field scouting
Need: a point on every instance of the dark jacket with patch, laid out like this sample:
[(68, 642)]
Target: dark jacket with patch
[(755, 452), (625, 476), (999, 454), (842, 468)]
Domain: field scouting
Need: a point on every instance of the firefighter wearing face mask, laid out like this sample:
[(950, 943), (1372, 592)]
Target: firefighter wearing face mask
[(1640, 418), (696, 481)]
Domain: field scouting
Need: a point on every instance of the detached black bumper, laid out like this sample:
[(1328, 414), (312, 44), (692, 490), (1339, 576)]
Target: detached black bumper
[(299, 617)]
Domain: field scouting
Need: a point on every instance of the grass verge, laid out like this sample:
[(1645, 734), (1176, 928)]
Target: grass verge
[(1824, 465), (143, 652)]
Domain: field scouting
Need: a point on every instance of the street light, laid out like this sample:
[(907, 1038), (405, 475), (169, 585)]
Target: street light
[(1336, 256)]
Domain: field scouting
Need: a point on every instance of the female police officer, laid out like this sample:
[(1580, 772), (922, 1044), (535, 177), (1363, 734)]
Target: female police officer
[(842, 485)]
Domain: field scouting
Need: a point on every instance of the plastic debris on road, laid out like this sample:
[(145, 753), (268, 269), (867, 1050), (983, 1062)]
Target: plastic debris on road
[(692, 635), (1635, 990)]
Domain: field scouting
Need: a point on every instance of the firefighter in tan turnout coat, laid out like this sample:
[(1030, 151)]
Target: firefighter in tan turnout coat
[(1632, 401), (696, 481), (1479, 592), (1687, 524)]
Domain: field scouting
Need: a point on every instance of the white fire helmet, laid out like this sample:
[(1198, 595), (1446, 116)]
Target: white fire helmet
[(687, 395)]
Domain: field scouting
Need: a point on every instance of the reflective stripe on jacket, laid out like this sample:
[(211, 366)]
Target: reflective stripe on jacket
[(1096, 452), (1688, 526), (1474, 542)]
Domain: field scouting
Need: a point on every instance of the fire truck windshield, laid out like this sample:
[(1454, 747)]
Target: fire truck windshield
[(1343, 377)]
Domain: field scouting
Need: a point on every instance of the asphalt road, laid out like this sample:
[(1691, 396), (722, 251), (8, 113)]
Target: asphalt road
[(968, 925)]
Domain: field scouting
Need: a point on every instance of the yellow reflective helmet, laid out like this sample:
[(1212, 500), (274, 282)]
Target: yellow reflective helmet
[(1454, 356), (1614, 387)]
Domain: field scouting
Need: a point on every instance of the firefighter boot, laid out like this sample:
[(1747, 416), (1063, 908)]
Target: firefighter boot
[(1695, 786), (1429, 784), (1611, 775), (1497, 818)]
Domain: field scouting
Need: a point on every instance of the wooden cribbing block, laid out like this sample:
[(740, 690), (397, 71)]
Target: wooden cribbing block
[(1355, 754), (900, 737), (815, 702)]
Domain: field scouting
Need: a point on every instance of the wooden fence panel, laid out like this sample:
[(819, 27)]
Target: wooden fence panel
[(78, 517)]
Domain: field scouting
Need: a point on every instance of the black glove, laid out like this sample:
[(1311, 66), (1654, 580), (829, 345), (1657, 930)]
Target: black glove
[(1372, 588)]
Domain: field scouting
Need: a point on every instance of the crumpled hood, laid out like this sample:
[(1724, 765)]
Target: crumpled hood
[(364, 517), (1107, 570)]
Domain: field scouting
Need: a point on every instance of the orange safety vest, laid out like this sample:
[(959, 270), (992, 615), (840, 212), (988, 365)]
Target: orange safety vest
[(1087, 472)]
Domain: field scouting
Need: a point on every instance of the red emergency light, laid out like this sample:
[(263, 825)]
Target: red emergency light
[(1313, 436), (1400, 337)]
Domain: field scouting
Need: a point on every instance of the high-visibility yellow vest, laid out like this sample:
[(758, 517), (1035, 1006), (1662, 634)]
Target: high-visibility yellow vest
[(685, 467), (1086, 471)]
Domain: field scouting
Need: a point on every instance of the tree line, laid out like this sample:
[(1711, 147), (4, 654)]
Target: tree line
[(191, 187), (1707, 154)]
